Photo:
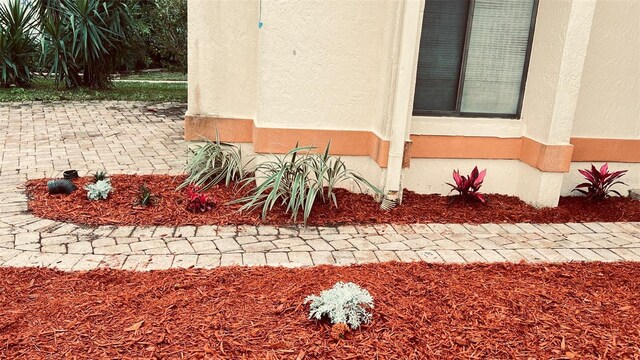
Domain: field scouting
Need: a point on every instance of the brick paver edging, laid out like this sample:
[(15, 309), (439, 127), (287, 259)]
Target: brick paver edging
[(29, 241), (41, 139)]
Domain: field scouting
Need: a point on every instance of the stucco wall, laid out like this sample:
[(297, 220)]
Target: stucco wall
[(327, 64), (544, 67), (428, 176), (609, 101), (222, 53)]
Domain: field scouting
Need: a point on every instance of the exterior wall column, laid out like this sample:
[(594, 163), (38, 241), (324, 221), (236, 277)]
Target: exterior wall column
[(556, 73), (403, 97)]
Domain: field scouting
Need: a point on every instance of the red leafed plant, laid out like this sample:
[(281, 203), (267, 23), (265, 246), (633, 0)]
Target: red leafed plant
[(599, 182), (468, 186), (198, 201)]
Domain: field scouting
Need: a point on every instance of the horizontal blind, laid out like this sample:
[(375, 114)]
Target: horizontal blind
[(440, 57), (496, 56)]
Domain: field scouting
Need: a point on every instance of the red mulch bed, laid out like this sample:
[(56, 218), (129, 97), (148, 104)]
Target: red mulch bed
[(353, 208), (498, 311)]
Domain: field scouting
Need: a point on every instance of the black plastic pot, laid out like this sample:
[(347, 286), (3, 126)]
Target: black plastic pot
[(70, 174), (60, 186)]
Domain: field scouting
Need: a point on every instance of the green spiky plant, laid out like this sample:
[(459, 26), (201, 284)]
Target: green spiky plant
[(18, 47), (297, 181), (145, 197), (215, 162), (100, 175)]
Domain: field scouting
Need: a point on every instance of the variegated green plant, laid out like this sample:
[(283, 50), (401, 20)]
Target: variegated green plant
[(297, 180), (215, 162)]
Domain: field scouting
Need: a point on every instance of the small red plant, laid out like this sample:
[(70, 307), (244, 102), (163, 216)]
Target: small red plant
[(599, 182), (197, 201), (468, 186)]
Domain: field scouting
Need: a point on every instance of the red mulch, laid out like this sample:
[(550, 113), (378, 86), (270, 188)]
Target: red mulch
[(353, 208), (497, 311)]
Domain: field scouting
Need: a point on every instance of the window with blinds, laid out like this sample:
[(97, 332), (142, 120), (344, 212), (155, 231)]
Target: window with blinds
[(473, 57)]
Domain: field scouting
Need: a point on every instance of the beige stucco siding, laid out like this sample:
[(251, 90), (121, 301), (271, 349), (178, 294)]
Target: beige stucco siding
[(327, 64), (609, 100), (544, 68), (222, 52)]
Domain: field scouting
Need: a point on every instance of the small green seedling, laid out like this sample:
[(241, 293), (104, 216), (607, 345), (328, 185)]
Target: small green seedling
[(100, 175), (145, 197)]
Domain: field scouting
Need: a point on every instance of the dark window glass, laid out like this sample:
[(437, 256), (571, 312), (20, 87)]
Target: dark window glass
[(441, 50), (473, 57)]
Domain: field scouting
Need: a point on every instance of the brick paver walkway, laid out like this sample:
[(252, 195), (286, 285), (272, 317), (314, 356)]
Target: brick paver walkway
[(144, 138)]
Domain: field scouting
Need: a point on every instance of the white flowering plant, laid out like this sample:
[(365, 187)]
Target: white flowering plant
[(344, 303)]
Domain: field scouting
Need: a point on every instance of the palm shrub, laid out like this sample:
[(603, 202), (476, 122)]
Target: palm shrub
[(297, 180), (93, 37), (215, 162), (56, 55), (18, 47)]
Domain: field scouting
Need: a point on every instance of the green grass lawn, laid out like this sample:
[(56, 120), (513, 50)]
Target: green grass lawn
[(160, 75), (44, 89)]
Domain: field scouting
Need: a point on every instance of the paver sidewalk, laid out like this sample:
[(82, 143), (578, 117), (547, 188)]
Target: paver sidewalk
[(29, 241), (42, 139)]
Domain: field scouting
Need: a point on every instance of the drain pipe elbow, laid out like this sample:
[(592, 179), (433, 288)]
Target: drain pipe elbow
[(390, 200)]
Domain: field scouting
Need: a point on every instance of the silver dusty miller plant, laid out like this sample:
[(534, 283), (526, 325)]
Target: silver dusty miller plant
[(99, 190), (344, 303)]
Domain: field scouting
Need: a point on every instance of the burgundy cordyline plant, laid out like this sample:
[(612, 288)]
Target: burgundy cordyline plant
[(599, 182), (198, 201), (468, 186)]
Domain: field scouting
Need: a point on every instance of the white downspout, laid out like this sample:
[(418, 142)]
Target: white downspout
[(402, 102)]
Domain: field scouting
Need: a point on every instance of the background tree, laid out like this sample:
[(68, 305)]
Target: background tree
[(85, 41), (163, 24)]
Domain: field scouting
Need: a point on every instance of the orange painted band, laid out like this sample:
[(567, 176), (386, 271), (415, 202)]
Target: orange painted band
[(279, 141), (548, 158), (464, 147), (343, 142), (229, 130), (614, 150)]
